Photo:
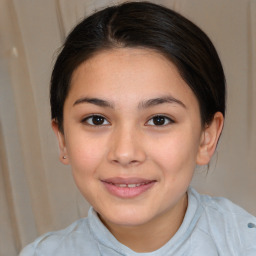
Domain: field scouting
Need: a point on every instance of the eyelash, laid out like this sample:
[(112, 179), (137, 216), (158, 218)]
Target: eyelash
[(163, 118), (104, 120), (86, 120)]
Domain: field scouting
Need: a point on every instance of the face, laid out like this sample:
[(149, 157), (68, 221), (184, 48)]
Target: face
[(132, 135)]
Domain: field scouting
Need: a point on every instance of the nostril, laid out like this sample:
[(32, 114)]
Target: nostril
[(125, 161)]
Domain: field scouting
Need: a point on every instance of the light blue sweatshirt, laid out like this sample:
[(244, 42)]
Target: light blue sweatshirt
[(211, 227)]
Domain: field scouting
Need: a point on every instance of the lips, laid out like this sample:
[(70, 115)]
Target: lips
[(127, 187), (130, 185)]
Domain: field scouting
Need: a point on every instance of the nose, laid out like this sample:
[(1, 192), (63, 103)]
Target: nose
[(126, 147)]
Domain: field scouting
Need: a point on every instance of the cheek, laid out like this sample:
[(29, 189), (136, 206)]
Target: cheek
[(176, 154), (85, 155)]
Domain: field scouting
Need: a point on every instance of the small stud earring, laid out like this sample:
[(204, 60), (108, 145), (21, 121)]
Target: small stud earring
[(64, 157)]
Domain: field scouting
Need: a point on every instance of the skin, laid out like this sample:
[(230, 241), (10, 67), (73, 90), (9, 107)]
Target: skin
[(129, 144)]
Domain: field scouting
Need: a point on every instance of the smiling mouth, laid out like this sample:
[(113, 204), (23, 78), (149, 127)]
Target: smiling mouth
[(130, 185), (127, 188)]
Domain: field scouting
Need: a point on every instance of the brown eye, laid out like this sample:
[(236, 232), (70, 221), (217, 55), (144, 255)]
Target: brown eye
[(159, 120), (96, 120)]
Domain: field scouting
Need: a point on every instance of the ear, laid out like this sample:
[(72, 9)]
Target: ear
[(209, 139), (62, 145)]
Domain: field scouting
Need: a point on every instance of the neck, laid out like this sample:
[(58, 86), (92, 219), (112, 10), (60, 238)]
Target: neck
[(154, 234)]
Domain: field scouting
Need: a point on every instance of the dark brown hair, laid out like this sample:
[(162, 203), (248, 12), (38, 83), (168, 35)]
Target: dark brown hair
[(143, 25)]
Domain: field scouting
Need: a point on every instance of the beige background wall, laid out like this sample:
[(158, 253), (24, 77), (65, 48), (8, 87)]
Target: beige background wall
[(37, 193)]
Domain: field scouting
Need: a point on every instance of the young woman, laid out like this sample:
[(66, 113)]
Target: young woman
[(138, 100)]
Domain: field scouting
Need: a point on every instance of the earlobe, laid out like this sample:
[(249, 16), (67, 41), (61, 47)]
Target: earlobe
[(209, 139), (61, 141)]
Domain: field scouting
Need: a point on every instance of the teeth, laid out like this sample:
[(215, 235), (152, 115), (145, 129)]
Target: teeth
[(130, 185)]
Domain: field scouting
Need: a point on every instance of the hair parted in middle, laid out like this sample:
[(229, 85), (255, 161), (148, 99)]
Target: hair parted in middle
[(150, 26)]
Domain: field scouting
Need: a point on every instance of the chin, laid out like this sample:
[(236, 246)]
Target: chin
[(126, 217)]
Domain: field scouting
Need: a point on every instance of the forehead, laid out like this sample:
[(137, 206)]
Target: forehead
[(129, 72), (124, 61)]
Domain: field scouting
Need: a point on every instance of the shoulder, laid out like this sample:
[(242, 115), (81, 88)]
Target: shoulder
[(69, 241), (230, 226)]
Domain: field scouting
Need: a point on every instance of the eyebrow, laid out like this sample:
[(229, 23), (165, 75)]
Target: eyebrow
[(95, 101), (142, 105), (160, 100)]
